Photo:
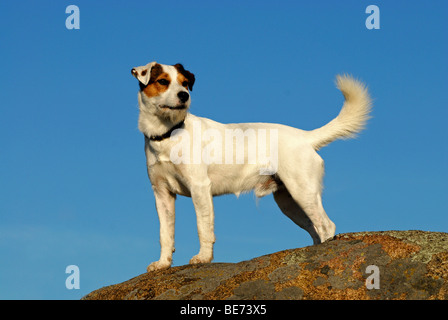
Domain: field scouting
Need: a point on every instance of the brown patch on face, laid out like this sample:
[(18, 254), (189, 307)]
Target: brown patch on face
[(158, 83), (185, 77), (182, 80)]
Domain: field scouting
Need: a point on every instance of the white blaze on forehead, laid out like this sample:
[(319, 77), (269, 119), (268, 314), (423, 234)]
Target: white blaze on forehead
[(174, 87), (173, 73)]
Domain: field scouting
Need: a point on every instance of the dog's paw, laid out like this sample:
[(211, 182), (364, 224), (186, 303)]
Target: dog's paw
[(158, 265), (200, 259)]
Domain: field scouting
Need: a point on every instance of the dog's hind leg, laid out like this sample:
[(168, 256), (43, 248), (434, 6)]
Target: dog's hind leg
[(294, 212), (303, 185), (305, 209)]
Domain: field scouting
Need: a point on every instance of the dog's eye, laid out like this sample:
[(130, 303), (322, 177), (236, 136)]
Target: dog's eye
[(185, 84), (163, 82)]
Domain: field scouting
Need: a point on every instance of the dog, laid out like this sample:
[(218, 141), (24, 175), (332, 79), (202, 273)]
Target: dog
[(293, 173)]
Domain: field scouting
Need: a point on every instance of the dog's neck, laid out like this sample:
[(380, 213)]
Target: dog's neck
[(167, 134), (154, 124)]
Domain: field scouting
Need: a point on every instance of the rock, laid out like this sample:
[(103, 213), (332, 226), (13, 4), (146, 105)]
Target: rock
[(410, 264)]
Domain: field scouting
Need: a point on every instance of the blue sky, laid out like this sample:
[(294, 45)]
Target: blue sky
[(73, 183)]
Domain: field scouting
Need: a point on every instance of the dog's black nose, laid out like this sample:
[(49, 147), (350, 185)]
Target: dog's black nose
[(183, 96)]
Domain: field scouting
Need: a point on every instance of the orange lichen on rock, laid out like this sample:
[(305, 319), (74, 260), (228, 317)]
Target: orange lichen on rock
[(394, 247)]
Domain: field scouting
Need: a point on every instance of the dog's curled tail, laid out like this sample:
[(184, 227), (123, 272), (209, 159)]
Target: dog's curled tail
[(351, 119)]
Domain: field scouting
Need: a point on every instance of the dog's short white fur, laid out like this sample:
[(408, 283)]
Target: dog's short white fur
[(296, 186)]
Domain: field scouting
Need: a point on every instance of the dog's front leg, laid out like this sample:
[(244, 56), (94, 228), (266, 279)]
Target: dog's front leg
[(203, 204), (165, 209)]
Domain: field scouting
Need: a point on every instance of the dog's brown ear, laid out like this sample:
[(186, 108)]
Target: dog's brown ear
[(143, 73), (187, 74)]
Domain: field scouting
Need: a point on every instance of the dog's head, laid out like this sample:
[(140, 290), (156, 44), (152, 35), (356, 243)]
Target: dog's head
[(164, 89)]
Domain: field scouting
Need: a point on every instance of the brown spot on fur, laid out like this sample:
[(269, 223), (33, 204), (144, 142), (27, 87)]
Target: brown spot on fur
[(154, 88), (182, 80), (266, 187), (156, 71), (184, 75)]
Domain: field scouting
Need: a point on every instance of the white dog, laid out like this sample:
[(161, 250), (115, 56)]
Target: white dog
[(186, 155)]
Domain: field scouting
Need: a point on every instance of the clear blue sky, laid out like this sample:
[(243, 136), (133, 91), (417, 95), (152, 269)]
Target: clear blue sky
[(73, 183)]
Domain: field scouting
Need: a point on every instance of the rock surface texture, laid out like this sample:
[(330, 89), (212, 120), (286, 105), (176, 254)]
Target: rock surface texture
[(409, 265)]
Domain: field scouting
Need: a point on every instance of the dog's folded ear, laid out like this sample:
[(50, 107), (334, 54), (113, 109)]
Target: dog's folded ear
[(143, 73)]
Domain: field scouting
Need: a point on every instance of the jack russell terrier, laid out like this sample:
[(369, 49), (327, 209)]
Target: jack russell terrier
[(187, 155)]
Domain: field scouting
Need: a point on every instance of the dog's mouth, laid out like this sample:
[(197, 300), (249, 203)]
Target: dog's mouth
[(181, 107)]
